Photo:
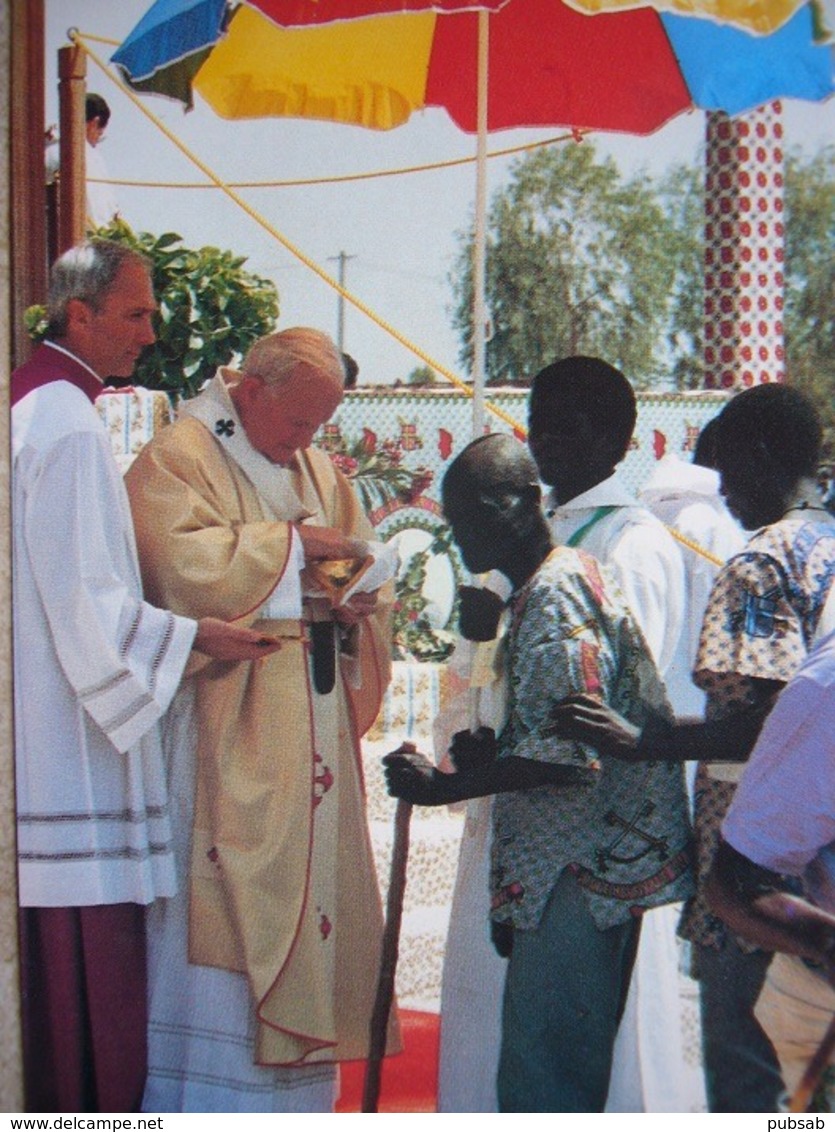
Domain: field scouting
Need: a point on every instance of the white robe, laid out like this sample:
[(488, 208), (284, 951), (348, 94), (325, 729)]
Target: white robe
[(202, 1032), (686, 498), (95, 666), (649, 1072)]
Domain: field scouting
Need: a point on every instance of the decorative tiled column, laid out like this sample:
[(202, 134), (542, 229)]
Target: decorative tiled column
[(744, 249)]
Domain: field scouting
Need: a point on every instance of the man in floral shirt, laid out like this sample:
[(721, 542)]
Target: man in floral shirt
[(769, 604), (581, 845)]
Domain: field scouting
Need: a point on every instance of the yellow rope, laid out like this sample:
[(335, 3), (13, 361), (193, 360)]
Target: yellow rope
[(691, 544), (346, 178), (289, 246)]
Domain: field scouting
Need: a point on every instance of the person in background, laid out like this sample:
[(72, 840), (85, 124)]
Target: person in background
[(263, 969), (102, 205), (686, 498), (768, 606), (581, 417), (773, 880), (352, 370), (95, 667)]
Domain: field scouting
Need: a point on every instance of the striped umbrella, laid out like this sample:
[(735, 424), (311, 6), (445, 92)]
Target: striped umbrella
[(491, 64)]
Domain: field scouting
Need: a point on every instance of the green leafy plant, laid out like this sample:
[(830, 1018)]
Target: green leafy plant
[(414, 638), (210, 310)]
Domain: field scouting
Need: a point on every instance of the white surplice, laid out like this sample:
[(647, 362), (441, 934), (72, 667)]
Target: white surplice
[(95, 666)]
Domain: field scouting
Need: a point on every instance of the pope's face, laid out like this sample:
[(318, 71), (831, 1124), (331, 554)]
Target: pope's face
[(279, 420), (110, 338)]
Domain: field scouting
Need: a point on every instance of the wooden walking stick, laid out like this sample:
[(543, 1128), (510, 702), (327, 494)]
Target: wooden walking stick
[(802, 1096), (388, 957)]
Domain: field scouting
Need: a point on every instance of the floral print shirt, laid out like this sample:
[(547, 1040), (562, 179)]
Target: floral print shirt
[(762, 616), (624, 830)]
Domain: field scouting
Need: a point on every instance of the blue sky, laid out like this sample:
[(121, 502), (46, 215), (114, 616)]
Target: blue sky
[(398, 231)]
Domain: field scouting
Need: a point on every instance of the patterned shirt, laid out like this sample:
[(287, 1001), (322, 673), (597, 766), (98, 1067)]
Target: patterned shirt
[(624, 831), (763, 614)]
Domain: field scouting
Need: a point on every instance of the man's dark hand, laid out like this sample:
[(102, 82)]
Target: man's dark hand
[(414, 778), (589, 720), (478, 613), (471, 749)]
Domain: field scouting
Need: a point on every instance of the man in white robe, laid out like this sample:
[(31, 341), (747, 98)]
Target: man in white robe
[(95, 667), (102, 205), (582, 415), (263, 969), (686, 498)]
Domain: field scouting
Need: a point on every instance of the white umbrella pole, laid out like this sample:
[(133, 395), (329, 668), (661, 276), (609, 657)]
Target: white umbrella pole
[(480, 244)]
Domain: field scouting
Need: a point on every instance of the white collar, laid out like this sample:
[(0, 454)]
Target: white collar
[(214, 408), (611, 492), (674, 477)]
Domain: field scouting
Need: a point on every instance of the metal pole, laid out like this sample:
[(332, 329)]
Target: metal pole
[(480, 243), (342, 259)]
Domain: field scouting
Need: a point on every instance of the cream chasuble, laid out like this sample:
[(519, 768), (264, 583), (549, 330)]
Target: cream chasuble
[(283, 887)]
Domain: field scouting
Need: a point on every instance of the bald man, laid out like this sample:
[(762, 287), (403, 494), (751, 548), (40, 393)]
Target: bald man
[(263, 970)]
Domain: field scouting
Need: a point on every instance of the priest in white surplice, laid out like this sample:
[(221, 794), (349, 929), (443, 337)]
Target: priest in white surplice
[(263, 969), (95, 667)]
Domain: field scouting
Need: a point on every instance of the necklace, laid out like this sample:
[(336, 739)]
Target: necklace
[(805, 506)]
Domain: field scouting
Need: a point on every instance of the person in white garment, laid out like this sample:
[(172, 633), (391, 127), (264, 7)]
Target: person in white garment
[(102, 204), (781, 829), (95, 667), (263, 969), (582, 414), (685, 496)]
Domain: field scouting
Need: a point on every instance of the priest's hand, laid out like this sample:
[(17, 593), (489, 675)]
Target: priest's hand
[(328, 542), (356, 608), (222, 641), (589, 720), (414, 778), (479, 611)]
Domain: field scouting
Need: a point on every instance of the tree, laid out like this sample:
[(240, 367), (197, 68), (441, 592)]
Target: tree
[(576, 263), (681, 193), (810, 280), (421, 376)]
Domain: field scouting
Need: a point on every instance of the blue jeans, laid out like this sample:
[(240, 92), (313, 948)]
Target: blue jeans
[(565, 991)]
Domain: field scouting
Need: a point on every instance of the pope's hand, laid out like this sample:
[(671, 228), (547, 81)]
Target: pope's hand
[(222, 641), (356, 608), (328, 542)]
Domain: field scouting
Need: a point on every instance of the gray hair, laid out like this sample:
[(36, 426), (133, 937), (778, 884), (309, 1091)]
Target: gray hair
[(273, 359), (86, 272)]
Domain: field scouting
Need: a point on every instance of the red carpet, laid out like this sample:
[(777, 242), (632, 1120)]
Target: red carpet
[(409, 1079)]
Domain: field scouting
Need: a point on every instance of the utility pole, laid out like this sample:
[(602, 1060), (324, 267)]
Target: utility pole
[(342, 259)]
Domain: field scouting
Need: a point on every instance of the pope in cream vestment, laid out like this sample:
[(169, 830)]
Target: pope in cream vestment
[(279, 874)]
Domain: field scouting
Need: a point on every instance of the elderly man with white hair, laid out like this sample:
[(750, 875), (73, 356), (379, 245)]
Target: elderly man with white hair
[(263, 970)]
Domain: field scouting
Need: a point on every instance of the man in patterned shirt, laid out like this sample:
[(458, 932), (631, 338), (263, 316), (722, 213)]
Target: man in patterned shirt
[(769, 604), (581, 845)]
